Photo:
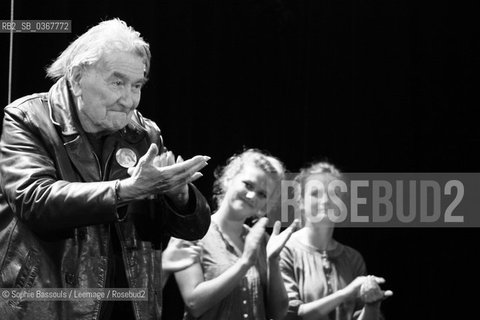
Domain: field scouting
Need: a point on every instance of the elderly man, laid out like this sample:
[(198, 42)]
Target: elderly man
[(88, 190)]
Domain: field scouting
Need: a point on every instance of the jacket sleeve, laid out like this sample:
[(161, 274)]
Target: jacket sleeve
[(156, 220), (30, 184), (191, 226)]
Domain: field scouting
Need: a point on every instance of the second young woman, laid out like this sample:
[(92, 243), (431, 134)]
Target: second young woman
[(325, 279)]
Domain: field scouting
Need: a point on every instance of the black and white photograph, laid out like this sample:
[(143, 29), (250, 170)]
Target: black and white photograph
[(239, 159)]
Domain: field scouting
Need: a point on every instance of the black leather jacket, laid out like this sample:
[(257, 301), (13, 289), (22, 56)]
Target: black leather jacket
[(57, 205)]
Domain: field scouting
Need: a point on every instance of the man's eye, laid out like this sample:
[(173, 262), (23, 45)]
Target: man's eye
[(117, 83), (138, 86)]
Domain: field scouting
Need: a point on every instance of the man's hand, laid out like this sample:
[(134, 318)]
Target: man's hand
[(147, 178), (178, 195)]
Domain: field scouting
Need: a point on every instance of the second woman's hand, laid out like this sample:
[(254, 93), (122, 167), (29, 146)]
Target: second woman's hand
[(370, 291)]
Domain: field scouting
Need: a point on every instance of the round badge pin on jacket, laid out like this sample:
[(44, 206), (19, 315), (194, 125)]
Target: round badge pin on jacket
[(126, 157)]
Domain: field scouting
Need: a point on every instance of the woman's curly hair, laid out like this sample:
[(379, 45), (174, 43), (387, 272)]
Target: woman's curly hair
[(272, 166)]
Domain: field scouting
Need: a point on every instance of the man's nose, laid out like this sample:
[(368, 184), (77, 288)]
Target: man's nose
[(127, 98)]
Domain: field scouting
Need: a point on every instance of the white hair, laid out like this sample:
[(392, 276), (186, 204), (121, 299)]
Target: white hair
[(99, 40)]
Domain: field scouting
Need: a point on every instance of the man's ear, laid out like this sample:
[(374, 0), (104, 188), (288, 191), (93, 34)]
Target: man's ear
[(75, 78)]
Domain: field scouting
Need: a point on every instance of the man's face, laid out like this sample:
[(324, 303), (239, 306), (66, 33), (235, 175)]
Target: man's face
[(109, 91)]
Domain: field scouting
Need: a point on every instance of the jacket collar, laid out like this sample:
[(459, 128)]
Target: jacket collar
[(61, 107)]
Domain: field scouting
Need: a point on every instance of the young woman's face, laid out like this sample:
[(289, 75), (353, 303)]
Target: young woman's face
[(317, 204), (248, 192)]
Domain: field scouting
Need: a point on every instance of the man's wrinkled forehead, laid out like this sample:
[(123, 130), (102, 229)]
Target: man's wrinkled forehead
[(123, 65)]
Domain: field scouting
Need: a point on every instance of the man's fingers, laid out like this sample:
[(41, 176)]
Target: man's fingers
[(170, 158), (174, 176), (177, 175), (187, 168), (388, 293), (164, 159), (379, 280), (179, 159), (196, 176), (193, 164), (150, 155), (178, 183), (158, 161)]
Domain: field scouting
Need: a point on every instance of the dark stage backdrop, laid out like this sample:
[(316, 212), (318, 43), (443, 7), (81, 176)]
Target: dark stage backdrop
[(372, 86)]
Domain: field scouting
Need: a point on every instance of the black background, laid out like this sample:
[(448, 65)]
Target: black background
[(372, 86)]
